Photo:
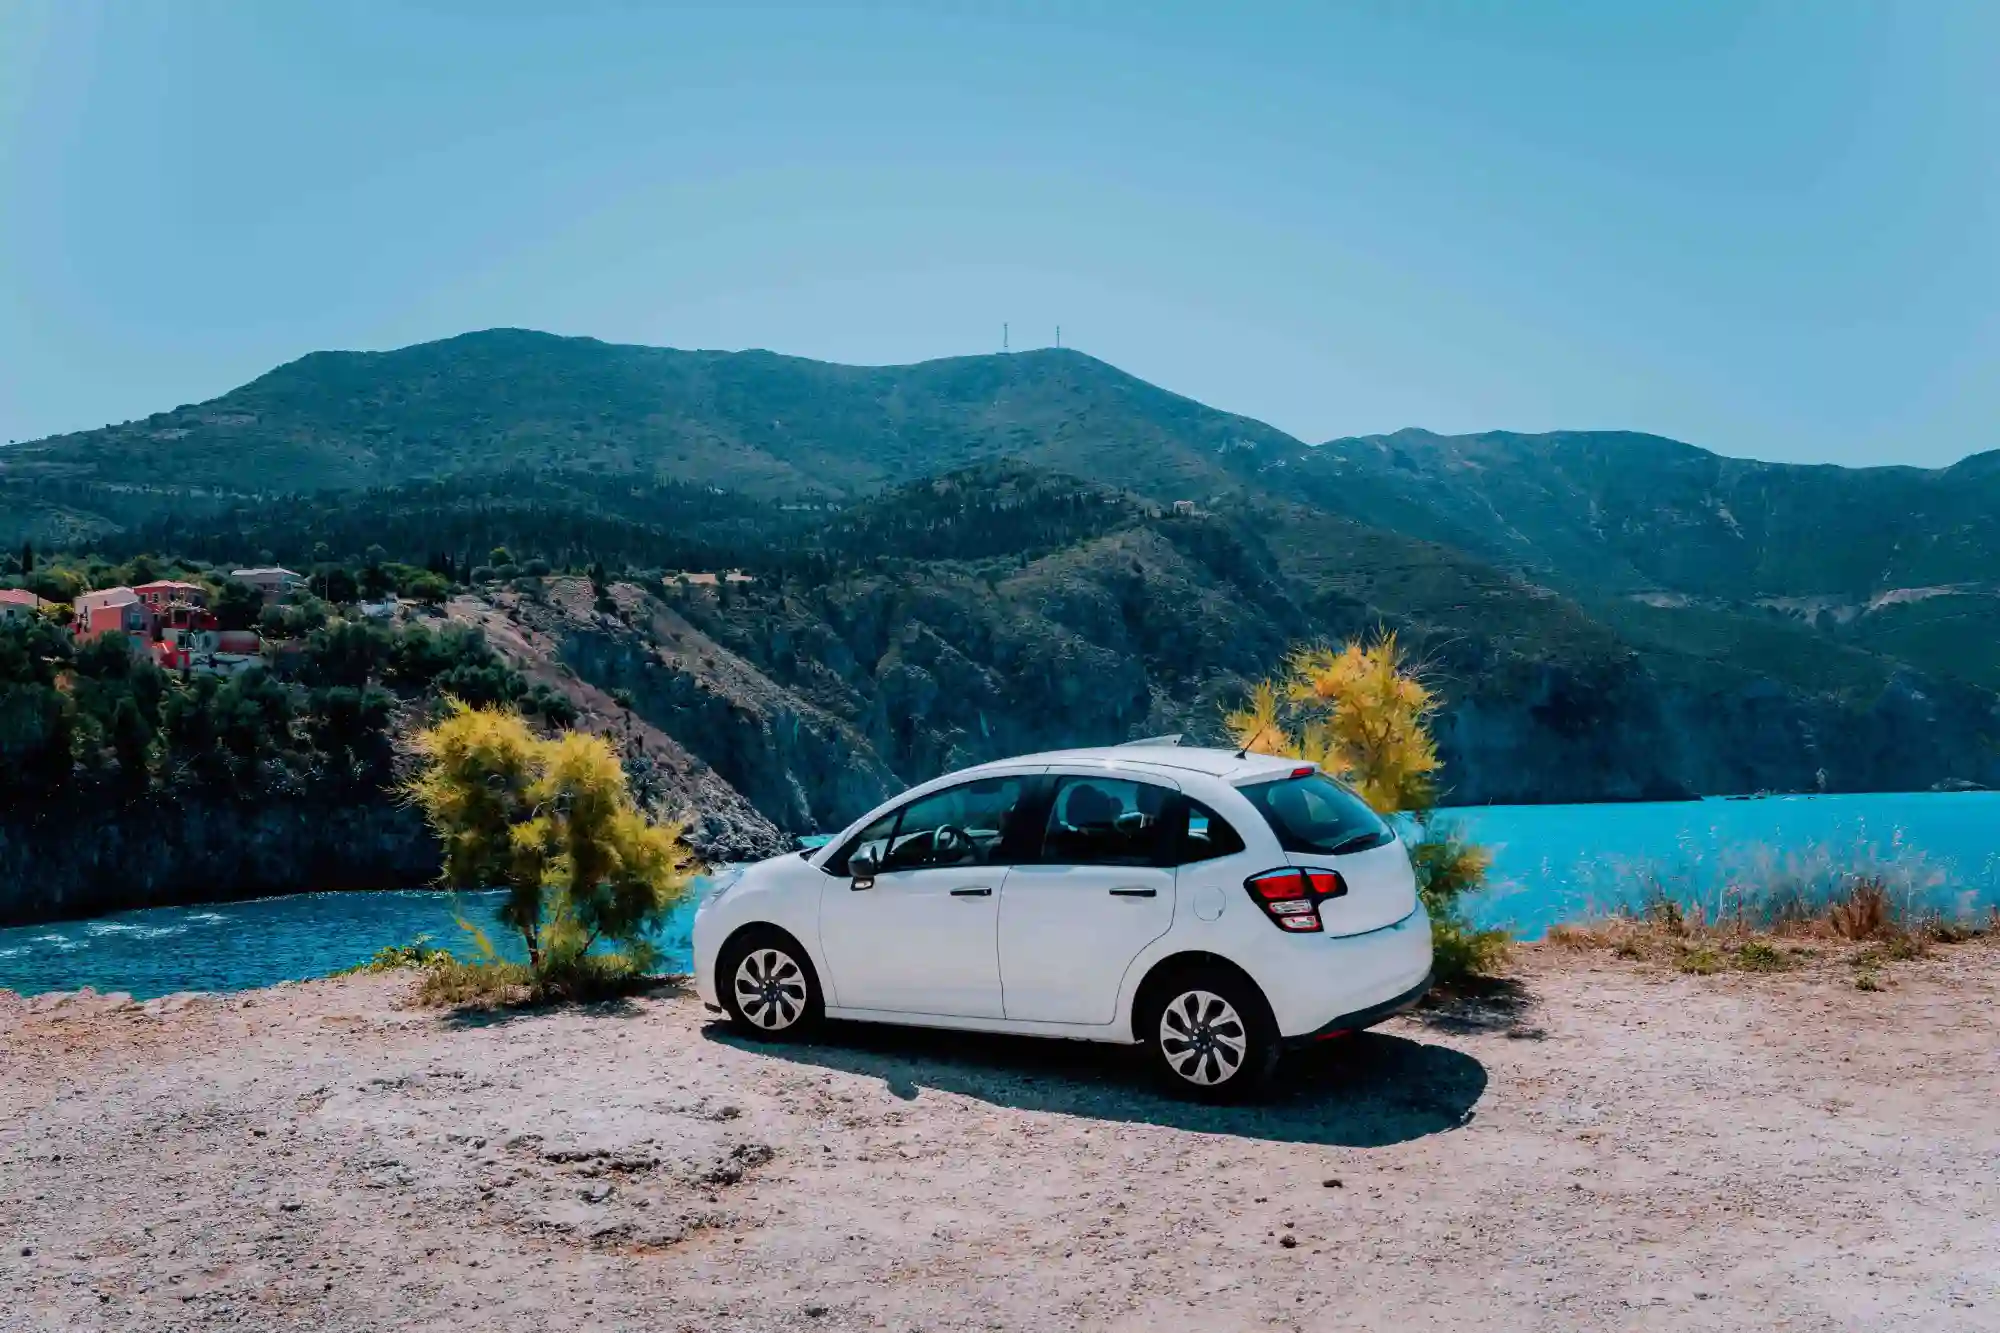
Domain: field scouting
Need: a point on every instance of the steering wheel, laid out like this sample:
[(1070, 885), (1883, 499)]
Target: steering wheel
[(950, 843)]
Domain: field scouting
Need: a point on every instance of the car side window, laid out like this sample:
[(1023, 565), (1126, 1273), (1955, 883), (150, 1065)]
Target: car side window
[(1206, 836), (1097, 821), (959, 826), (875, 836)]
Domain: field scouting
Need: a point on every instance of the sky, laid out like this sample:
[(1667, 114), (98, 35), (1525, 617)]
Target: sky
[(1772, 230)]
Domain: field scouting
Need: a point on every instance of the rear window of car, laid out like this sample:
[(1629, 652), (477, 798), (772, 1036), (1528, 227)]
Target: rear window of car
[(1316, 815)]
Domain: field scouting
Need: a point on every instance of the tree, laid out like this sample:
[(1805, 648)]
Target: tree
[(27, 558), (53, 584), (36, 717), (1363, 714), (376, 582), (1360, 713), (553, 823), (237, 606), (350, 726), (340, 587), (428, 588), (132, 743)]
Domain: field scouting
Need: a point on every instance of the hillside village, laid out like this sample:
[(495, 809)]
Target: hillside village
[(198, 628), (173, 623)]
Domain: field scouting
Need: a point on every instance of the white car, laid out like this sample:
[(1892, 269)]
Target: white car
[(1213, 906)]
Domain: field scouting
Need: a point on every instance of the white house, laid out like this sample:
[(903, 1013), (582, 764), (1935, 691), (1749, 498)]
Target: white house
[(273, 581)]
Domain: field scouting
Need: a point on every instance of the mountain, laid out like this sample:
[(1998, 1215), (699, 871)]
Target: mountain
[(1671, 544), (754, 422), (1608, 614), (1623, 512)]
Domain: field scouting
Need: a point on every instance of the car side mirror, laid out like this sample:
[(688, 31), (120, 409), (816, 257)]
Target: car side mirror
[(864, 865)]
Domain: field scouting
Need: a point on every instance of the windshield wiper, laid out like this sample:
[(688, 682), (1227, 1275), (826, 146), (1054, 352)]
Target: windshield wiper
[(1360, 842)]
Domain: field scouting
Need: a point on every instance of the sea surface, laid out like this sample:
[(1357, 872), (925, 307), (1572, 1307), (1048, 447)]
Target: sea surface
[(1550, 863)]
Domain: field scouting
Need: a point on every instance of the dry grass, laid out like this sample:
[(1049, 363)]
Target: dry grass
[(452, 984), (447, 983), (1861, 919)]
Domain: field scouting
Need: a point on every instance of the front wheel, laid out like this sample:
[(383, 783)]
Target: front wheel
[(1211, 1036), (768, 986)]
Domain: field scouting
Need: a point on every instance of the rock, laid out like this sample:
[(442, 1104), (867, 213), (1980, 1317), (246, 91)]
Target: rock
[(67, 861)]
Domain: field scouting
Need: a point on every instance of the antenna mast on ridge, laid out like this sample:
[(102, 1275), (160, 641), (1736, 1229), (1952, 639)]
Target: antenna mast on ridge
[(1003, 337)]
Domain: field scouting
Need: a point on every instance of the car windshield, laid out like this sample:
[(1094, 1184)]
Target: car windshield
[(1317, 815)]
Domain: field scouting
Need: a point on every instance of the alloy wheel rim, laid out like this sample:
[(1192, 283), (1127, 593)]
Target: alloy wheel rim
[(1203, 1038), (770, 989)]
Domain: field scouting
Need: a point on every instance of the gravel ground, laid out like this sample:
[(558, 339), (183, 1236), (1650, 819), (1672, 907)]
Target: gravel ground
[(1609, 1148)]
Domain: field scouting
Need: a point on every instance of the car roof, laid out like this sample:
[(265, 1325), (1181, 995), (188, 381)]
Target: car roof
[(1232, 766), (1161, 757)]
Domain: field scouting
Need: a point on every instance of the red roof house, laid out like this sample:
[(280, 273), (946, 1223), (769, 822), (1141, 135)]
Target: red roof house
[(19, 604)]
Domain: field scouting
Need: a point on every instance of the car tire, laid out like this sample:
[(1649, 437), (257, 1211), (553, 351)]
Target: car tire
[(1209, 1035), (767, 986)]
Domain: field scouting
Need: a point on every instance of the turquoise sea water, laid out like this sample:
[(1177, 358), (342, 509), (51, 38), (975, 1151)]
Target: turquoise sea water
[(1550, 862), (1556, 862)]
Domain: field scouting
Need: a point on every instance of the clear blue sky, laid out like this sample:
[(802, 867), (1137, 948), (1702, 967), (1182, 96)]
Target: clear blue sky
[(1773, 230)]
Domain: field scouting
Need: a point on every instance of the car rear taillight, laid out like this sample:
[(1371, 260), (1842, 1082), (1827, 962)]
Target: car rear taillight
[(1291, 896)]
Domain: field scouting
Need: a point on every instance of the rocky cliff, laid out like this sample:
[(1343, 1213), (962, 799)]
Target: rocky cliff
[(66, 862), (810, 706)]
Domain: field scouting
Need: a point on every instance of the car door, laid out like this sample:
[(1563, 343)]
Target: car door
[(921, 936), (1098, 888)]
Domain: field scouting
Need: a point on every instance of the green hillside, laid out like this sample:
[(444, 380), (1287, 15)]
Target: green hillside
[(1618, 586), (754, 422), (1616, 512)]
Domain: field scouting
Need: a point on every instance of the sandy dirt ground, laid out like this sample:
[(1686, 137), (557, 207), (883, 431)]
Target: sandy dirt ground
[(1624, 1149)]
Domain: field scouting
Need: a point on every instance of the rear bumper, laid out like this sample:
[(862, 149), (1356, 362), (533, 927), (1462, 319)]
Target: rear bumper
[(1365, 1018), (1317, 983)]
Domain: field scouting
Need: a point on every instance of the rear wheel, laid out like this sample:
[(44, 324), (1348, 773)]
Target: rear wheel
[(1211, 1035), (768, 986)]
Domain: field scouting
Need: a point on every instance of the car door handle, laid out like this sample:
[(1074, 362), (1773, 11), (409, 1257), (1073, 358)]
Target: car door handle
[(1135, 893), (972, 893)]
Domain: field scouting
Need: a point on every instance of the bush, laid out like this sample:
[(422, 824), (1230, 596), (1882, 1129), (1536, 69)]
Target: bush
[(428, 588), (491, 983), (555, 708), (419, 952), (455, 984), (554, 824)]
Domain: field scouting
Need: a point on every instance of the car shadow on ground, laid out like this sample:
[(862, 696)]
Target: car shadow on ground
[(1365, 1091)]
